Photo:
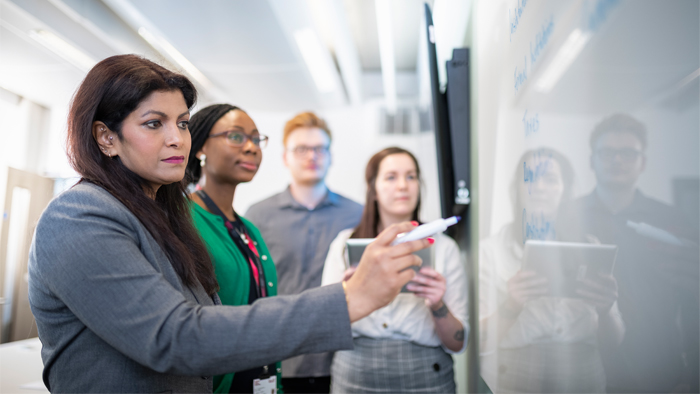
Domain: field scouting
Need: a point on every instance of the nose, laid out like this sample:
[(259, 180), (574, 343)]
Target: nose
[(310, 154), (249, 146), (618, 159), (403, 183), (174, 136), (539, 184)]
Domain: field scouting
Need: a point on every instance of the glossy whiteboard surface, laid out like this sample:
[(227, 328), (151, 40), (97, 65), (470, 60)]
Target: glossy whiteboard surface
[(588, 131)]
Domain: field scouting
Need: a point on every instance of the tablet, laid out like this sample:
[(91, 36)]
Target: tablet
[(356, 246), (565, 263)]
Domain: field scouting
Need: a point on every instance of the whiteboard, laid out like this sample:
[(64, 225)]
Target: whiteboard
[(549, 73)]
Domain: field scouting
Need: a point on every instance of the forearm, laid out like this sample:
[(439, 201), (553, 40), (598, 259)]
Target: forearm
[(450, 330), (242, 337)]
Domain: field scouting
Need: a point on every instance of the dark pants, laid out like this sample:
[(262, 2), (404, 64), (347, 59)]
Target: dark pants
[(319, 384)]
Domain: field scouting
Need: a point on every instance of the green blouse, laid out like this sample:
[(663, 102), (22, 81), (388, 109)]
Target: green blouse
[(232, 270)]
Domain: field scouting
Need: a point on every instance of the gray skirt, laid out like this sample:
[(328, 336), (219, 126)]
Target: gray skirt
[(551, 368), (391, 366)]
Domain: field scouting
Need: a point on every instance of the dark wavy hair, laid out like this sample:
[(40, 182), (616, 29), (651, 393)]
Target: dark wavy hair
[(110, 92), (369, 223)]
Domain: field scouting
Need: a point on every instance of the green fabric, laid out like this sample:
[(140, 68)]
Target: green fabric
[(232, 270)]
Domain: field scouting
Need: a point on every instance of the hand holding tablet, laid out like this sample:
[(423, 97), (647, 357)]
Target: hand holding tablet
[(568, 266)]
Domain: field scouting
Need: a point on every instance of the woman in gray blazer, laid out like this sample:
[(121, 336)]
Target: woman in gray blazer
[(122, 287)]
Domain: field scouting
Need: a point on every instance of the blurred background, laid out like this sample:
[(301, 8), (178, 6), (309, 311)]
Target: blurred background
[(271, 58), (543, 75)]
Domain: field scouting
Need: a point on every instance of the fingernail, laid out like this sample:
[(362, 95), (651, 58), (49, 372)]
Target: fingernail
[(431, 240), (413, 222)]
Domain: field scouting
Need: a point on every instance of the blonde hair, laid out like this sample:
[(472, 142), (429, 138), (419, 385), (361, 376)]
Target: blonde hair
[(304, 119)]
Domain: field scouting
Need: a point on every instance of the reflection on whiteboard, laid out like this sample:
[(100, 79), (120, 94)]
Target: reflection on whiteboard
[(589, 117)]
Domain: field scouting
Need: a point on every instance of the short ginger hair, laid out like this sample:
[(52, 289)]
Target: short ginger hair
[(304, 119)]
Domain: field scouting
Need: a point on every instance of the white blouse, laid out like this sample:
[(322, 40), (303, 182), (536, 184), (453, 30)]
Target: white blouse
[(407, 317), (542, 320)]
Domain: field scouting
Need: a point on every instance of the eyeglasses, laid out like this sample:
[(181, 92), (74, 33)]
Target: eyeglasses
[(302, 150), (609, 154), (236, 138)]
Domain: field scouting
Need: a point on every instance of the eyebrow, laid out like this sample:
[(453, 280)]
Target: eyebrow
[(152, 111), (396, 172)]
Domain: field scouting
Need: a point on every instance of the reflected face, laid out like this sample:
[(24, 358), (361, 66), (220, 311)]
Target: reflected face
[(542, 187), (618, 160), (226, 163), (397, 186), (155, 140), (307, 156)]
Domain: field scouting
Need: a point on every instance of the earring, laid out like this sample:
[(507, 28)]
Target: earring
[(110, 138), (202, 160)]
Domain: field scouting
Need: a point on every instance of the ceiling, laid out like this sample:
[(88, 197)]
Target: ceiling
[(245, 49)]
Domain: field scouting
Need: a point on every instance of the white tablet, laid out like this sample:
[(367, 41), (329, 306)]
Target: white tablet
[(356, 246), (565, 263)]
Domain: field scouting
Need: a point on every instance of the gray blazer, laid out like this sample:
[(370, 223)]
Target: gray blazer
[(113, 316)]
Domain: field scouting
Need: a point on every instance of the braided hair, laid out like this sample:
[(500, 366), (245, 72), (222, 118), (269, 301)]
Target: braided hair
[(200, 125)]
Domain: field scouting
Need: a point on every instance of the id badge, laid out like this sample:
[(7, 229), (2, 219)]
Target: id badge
[(265, 386)]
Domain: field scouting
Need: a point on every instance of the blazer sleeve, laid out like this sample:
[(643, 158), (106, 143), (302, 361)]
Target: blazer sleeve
[(87, 256)]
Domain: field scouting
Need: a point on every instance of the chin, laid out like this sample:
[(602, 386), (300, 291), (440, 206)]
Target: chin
[(170, 181), (242, 180), (311, 179), (172, 178), (402, 212), (242, 175), (619, 183)]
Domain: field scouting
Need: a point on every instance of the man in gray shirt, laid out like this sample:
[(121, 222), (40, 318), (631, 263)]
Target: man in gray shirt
[(299, 225)]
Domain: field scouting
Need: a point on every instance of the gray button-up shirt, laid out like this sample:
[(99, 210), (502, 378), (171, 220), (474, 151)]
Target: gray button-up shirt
[(298, 239)]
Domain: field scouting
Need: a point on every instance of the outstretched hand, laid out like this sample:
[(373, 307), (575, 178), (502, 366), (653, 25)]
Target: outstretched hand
[(382, 271)]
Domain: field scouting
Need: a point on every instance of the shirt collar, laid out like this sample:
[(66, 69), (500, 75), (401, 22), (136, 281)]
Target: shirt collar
[(287, 201), (640, 203)]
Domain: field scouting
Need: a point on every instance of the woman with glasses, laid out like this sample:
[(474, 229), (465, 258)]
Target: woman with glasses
[(121, 285), (227, 151)]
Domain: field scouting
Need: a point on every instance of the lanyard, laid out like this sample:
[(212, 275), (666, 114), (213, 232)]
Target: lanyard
[(238, 233)]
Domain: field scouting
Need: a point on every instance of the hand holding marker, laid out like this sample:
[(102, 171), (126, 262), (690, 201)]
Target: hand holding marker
[(426, 230), (658, 234)]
